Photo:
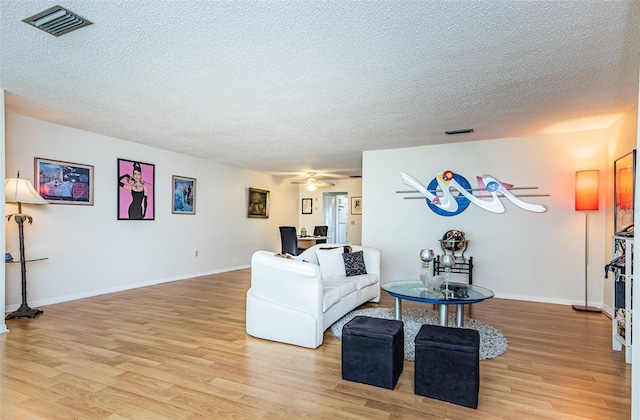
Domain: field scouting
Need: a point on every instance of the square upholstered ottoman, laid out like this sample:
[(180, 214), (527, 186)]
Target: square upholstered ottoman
[(447, 365), (373, 351)]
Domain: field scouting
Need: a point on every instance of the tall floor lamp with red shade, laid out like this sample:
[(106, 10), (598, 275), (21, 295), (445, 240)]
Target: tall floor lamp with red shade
[(586, 200)]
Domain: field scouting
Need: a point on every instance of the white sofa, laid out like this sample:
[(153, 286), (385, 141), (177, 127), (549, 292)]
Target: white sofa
[(289, 301)]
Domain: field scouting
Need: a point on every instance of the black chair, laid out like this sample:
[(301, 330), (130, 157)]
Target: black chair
[(321, 231), (289, 240)]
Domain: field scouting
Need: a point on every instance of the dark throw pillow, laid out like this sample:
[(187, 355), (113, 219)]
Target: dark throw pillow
[(354, 263)]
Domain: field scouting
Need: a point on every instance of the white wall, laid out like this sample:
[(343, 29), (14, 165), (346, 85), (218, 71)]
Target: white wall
[(3, 325), (517, 254), (353, 188), (91, 252)]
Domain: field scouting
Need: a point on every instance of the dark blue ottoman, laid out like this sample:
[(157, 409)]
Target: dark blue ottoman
[(447, 365), (373, 351)]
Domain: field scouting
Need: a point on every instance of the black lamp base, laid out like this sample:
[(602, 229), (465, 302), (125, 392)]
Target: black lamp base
[(586, 308), (24, 311)]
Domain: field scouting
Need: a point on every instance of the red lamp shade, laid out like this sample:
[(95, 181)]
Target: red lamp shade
[(587, 190)]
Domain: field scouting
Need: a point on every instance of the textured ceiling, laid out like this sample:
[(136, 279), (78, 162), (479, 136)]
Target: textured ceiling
[(293, 86)]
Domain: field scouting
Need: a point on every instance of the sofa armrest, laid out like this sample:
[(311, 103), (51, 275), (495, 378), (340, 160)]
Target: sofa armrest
[(372, 258), (290, 283)]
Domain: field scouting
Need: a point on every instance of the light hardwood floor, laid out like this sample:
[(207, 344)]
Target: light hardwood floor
[(179, 351)]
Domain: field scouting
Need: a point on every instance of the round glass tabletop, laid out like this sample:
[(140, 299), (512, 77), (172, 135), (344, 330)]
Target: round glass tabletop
[(459, 293)]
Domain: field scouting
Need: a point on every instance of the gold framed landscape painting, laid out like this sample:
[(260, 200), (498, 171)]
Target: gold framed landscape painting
[(258, 206)]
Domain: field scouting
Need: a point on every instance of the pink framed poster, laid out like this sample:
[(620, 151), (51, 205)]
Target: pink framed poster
[(136, 195)]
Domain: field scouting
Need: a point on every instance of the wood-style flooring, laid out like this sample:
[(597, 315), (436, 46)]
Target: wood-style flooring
[(179, 351)]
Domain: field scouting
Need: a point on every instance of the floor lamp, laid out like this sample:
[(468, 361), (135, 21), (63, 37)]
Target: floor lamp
[(586, 199), (20, 190)]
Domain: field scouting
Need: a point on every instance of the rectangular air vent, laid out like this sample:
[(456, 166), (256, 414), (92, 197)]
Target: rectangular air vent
[(57, 21)]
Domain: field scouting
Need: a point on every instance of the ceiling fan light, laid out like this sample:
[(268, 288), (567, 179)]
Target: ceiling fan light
[(313, 184)]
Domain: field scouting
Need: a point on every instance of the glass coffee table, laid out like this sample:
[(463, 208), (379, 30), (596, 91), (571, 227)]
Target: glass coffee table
[(460, 294)]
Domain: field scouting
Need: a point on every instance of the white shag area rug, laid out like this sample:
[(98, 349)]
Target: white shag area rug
[(492, 342)]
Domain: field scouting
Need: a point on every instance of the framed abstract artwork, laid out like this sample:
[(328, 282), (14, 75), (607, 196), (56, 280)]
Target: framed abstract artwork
[(136, 195), (64, 182), (184, 195), (258, 206), (624, 170), (307, 206), (356, 205)]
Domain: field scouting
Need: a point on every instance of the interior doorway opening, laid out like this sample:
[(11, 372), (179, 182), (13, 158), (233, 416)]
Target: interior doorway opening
[(334, 215)]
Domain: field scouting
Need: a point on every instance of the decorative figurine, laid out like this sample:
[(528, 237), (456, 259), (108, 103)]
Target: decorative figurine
[(430, 282), (447, 261), (454, 241)]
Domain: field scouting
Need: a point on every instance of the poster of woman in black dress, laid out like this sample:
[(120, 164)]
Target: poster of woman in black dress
[(135, 190)]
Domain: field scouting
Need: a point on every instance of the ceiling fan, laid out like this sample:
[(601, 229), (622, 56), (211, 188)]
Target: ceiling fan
[(312, 183)]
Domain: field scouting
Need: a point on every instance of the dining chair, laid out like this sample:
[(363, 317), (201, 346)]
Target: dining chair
[(321, 231), (289, 240)]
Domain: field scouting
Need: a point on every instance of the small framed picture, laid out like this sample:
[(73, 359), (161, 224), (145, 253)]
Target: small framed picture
[(258, 206), (307, 206), (64, 182), (356, 205), (624, 169), (184, 195), (136, 195)]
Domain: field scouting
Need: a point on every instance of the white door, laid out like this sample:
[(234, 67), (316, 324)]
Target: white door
[(334, 215), (341, 235), (329, 215)]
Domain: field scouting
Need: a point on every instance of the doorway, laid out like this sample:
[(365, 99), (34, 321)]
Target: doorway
[(334, 215)]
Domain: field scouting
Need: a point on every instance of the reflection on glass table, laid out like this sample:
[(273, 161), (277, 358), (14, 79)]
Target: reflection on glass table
[(458, 294)]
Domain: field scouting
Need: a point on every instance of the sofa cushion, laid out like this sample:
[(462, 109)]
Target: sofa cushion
[(344, 286), (330, 296), (334, 290), (354, 264), (331, 262), (364, 280)]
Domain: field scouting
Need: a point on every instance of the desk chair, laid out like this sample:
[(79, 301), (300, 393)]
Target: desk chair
[(289, 240), (321, 231)]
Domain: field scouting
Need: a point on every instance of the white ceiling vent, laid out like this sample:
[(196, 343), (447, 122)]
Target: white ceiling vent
[(57, 21)]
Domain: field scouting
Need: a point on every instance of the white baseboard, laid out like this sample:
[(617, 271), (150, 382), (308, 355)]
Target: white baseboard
[(539, 299), (76, 296)]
